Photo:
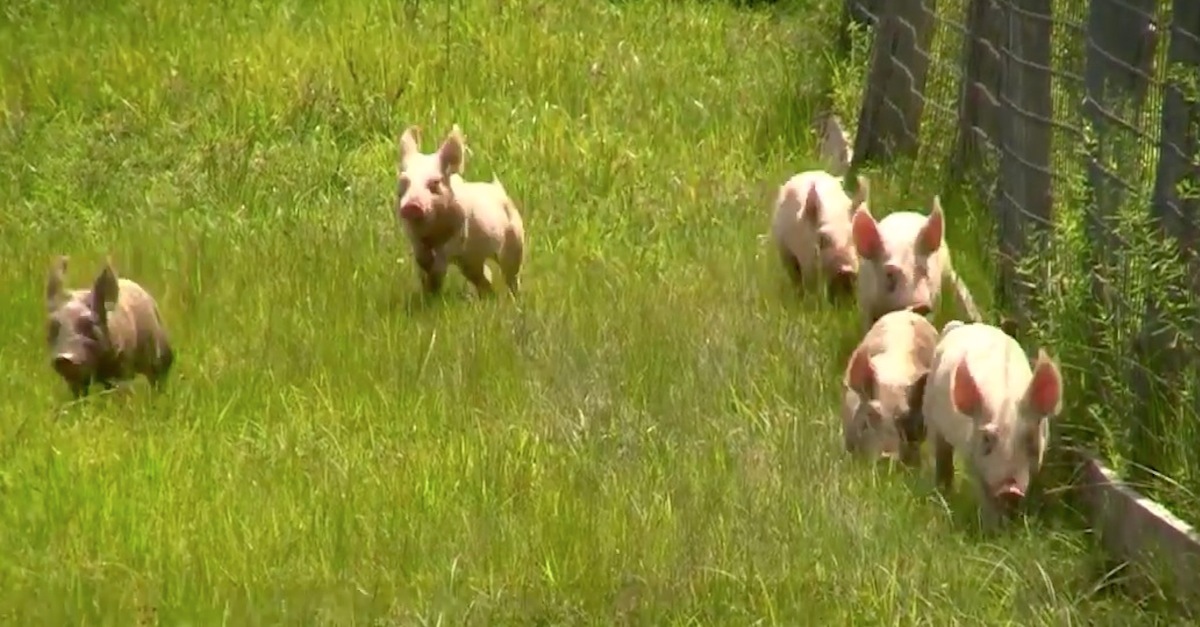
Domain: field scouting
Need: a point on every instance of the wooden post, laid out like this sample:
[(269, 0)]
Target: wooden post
[(980, 88), (889, 122), (1023, 204)]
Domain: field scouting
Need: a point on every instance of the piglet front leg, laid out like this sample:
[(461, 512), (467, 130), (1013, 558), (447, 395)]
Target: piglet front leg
[(432, 266)]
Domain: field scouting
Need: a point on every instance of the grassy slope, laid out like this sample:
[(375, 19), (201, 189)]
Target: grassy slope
[(648, 433)]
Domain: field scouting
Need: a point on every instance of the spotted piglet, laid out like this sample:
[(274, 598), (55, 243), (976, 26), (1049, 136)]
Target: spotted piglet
[(884, 388), (450, 220), (105, 334)]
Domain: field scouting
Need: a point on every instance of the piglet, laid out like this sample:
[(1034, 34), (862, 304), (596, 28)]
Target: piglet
[(449, 220), (811, 229), (884, 385), (986, 400), (904, 262), (105, 334)]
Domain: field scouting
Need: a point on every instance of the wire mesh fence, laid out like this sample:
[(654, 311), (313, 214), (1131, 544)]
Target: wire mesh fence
[(1076, 124)]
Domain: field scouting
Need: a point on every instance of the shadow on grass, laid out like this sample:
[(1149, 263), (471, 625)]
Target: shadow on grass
[(408, 298)]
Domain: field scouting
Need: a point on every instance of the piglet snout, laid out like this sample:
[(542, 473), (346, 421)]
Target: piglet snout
[(67, 365), (411, 211), (1010, 496)]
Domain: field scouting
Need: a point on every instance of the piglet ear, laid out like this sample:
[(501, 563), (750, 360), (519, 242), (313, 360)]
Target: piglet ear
[(860, 374), (964, 391), (105, 291), (812, 205), (450, 155), (930, 237), (408, 144), (865, 232), (55, 292), (1044, 394)]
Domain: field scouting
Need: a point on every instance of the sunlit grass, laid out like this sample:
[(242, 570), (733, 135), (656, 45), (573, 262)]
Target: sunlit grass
[(648, 434)]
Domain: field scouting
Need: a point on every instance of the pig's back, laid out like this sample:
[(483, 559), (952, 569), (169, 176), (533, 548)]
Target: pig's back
[(139, 328), (489, 210), (998, 364), (901, 344)]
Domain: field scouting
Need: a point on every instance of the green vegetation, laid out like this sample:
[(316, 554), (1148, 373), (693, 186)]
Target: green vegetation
[(649, 433)]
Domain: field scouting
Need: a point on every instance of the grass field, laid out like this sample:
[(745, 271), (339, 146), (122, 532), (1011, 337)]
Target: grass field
[(648, 435)]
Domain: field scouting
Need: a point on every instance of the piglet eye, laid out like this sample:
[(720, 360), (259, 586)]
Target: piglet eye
[(86, 326), (987, 442), (435, 185), (823, 241), (893, 280)]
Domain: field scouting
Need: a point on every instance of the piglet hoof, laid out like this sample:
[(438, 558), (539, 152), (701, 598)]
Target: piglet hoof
[(910, 456)]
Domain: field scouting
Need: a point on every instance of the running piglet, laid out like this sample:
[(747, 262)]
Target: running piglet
[(450, 220), (811, 229), (884, 387), (104, 334), (992, 405), (904, 262)]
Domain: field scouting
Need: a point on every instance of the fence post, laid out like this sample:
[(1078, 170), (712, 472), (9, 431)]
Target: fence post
[(889, 121), (1120, 48), (982, 76), (1178, 142), (1023, 202), (1158, 353)]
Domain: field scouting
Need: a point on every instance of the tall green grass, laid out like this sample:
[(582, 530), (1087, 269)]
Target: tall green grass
[(647, 436)]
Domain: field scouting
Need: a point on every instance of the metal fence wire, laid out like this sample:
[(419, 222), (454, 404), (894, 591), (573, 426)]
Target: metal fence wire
[(1076, 123)]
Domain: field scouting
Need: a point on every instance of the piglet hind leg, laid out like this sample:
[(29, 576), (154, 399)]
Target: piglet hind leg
[(480, 276), (791, 267), (943, 459), (157, 376), (510, 260)]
